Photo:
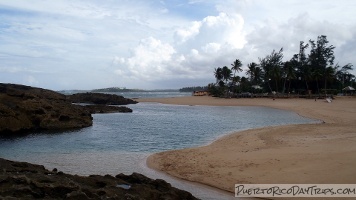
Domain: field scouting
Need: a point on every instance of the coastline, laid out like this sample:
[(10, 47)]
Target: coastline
[(296, 154)]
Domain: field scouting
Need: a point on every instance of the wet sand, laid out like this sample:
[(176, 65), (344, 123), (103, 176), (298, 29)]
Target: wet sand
[(295, 154)]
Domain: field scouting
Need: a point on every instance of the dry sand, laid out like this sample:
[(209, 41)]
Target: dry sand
[(295, 154)]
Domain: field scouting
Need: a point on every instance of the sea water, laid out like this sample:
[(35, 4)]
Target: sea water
[(121, 142), (152, 94)]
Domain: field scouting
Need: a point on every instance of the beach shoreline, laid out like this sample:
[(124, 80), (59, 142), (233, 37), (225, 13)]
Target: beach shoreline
[(296, 154)]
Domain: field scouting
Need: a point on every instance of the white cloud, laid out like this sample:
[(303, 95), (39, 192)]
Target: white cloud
[(148, 60), (211, 47), (289, 33), (185, 34), (200, 48), (220, 29), (155, 44)]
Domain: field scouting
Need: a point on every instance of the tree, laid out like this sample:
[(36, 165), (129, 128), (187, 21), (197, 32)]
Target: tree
[(329, 75), (244, 83), (236, 79), (236, 67), (272, 65), (257, 75), (310, 69), (226, 74), (289, 70), (218, 74), (276, 74), (321, 57), (317, 75), (343, 75), (254, 72), (302, 63)]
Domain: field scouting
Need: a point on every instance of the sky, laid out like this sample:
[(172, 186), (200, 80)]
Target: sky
[(158, 44)]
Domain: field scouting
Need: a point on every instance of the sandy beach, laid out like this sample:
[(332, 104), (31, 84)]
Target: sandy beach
[(306, 153)]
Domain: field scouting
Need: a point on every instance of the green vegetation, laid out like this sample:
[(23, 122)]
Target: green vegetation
[(116, 89), (313, 73), (192, 89)]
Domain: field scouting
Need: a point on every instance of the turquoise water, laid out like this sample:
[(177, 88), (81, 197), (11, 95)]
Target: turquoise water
[(120, 142)]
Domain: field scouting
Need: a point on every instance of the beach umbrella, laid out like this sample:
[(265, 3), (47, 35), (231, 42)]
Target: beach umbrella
[(349, 88)]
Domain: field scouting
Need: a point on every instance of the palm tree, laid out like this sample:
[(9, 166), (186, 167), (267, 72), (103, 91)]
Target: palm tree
[(251, 70), (226, 74), (309, 69), (236, 66), (218, 74), (235, 80), (254, 72)]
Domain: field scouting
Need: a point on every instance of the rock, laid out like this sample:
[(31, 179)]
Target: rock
[(19, 180), (107, 109), (99, 98), (24, 108)]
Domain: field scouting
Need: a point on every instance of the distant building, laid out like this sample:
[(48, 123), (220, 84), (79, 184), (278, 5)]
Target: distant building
[(200, 93)]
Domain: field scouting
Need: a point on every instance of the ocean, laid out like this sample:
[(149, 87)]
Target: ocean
[(120, 142)]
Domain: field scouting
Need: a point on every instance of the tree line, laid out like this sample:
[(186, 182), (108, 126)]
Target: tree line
[(305, 73), (192, 89)]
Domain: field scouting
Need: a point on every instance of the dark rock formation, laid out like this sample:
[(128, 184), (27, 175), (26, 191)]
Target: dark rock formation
[(99, 98), (24, 108), (19, 180), (107, 109)]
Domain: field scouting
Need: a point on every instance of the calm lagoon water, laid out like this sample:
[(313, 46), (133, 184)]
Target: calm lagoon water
[(120, 142)]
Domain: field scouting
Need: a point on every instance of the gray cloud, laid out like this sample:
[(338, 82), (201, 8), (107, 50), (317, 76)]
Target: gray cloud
[(149, 44)]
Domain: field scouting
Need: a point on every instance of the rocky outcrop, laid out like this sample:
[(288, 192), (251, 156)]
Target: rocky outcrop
[(20, 180), (24, 108), (107, 109), (99, 98)]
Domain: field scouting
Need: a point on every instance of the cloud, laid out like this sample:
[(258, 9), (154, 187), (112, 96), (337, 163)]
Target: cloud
[(148, 61), (184, 34), (158, 44), (197, 50), (223, 29), (289, 33), (231, 6)]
